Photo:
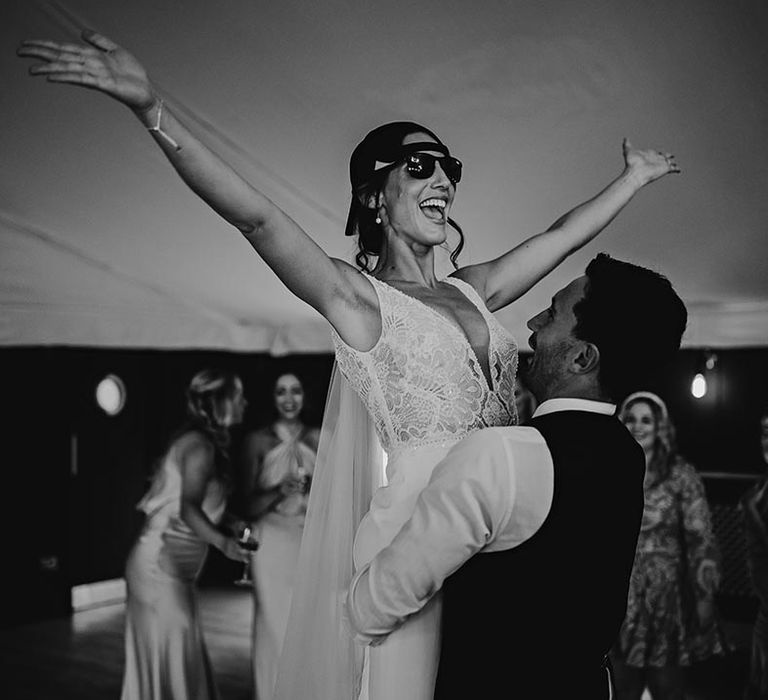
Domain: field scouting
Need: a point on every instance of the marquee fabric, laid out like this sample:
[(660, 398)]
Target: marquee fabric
[(102, 245)]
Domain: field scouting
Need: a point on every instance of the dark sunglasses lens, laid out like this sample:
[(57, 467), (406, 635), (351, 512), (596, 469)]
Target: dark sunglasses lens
[(422, 165), (452, 169)]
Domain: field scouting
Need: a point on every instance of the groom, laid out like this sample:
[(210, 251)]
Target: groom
[(552, 510)]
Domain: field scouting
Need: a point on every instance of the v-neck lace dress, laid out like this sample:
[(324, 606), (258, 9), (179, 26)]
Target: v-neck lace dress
[(425, 390)]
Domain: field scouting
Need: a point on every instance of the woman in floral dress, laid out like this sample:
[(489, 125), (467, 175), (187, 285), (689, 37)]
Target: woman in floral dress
[(671, 619), (754, 509)]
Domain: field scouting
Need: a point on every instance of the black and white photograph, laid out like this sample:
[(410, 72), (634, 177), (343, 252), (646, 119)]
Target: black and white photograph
[(384, 350)]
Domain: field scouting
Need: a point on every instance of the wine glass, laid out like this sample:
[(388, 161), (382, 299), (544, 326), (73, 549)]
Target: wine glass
[(248, 543)]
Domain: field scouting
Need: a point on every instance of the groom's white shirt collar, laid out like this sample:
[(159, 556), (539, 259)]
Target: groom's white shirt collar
[(554, 405)]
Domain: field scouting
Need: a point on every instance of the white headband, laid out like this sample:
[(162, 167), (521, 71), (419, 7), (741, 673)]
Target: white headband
[(648, 396)]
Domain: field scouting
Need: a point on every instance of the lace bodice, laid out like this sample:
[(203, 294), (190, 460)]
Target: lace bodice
[(422, 382)]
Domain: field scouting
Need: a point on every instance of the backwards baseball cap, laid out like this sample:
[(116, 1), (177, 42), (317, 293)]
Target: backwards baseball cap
[(379, 150), (383, 147)]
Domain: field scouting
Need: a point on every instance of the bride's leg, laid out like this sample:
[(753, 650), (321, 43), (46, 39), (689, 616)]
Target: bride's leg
[(404, 667)]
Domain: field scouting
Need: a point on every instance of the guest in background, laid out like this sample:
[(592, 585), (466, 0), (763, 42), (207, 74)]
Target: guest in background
[(754, 508), (279, 460), (671, 619), (165, 654)]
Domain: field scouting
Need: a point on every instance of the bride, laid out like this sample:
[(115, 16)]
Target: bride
[(422, 359)]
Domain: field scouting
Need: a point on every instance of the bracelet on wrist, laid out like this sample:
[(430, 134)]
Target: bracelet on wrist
[(157, 128)]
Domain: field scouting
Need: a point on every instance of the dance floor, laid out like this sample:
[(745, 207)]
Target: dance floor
[(81, 657)]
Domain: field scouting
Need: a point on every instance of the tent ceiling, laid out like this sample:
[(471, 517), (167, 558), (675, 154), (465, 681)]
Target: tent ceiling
[(102, 245)]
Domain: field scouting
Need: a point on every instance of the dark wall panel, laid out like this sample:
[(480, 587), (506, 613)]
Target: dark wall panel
[(63, 528), (75, 474)]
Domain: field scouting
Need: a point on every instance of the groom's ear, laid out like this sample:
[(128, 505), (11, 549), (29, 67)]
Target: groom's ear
[(587, 358)]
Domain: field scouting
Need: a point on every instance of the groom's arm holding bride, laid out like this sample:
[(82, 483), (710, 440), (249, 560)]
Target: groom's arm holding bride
[(490, 493)]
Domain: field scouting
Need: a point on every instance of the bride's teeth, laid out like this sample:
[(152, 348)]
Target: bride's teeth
[(433, 203)]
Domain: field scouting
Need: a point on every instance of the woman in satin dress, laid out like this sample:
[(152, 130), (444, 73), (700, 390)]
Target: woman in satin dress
[(279, 460), (381, 313), (165, 653)]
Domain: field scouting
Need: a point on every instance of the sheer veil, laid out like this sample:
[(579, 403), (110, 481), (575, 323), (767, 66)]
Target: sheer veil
[(320, 661)]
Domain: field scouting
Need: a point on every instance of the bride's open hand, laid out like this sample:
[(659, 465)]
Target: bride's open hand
[(98, 64), (648, 165)]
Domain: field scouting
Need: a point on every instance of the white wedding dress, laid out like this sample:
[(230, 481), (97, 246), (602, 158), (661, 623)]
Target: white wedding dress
[(421, 388), (425, 389)]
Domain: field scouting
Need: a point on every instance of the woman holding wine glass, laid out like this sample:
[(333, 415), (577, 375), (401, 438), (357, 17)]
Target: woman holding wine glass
[(165, 653), (278, 463)]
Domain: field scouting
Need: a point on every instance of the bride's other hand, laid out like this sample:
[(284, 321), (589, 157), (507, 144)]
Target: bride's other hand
[(98, 64), (648, 165)]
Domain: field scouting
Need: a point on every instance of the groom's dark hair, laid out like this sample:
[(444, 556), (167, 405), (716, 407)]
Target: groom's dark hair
[(634, 317)]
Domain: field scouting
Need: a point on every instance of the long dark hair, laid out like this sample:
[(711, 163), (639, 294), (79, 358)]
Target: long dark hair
[(274, 413)]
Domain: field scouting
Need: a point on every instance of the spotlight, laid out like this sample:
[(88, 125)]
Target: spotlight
[(110, 394), (705, 378), (699, 386)]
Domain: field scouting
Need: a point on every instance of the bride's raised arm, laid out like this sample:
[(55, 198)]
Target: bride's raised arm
[(331, 286), (511, 275)]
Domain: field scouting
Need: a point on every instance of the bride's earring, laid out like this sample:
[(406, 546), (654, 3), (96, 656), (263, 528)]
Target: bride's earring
[(378, 219)]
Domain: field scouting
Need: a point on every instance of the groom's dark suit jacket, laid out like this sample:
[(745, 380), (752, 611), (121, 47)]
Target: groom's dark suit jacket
[(537, 621)]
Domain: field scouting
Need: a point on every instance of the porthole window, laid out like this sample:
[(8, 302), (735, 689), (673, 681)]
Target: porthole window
[(110, 394)]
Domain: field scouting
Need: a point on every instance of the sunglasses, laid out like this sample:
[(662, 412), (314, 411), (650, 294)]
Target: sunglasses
[(422, 166)]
